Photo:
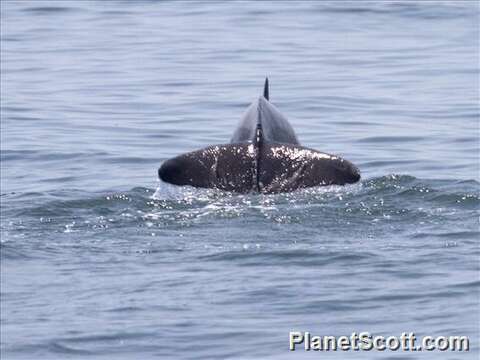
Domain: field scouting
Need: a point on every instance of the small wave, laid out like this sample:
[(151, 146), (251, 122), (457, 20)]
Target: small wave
[(105, 337), (47, 10), (60, 348), (441, 9), (449, 235), (298, 257), (9, 250), (390, 139)]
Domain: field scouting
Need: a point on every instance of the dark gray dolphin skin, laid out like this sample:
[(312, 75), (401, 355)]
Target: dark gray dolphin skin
[(263, 156)]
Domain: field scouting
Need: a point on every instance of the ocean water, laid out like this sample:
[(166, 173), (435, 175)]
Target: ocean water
[(101, 261)]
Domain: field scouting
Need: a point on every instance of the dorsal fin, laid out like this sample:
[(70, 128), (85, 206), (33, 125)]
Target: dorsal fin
[(266, 90), (275, 127)]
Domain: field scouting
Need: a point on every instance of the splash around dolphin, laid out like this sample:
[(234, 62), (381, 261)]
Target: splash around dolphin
[(264, 156)]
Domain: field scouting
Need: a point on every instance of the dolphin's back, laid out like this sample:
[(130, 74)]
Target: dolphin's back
[(270, 168), (264, 155), (262, 114)]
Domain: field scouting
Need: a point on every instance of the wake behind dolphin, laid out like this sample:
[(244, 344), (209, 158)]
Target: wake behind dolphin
[(264, 155)]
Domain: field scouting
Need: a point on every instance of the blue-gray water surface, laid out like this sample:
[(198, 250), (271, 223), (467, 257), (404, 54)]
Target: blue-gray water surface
[(99, 260)]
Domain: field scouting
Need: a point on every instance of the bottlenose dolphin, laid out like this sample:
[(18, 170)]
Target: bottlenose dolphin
[(264, 155)]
